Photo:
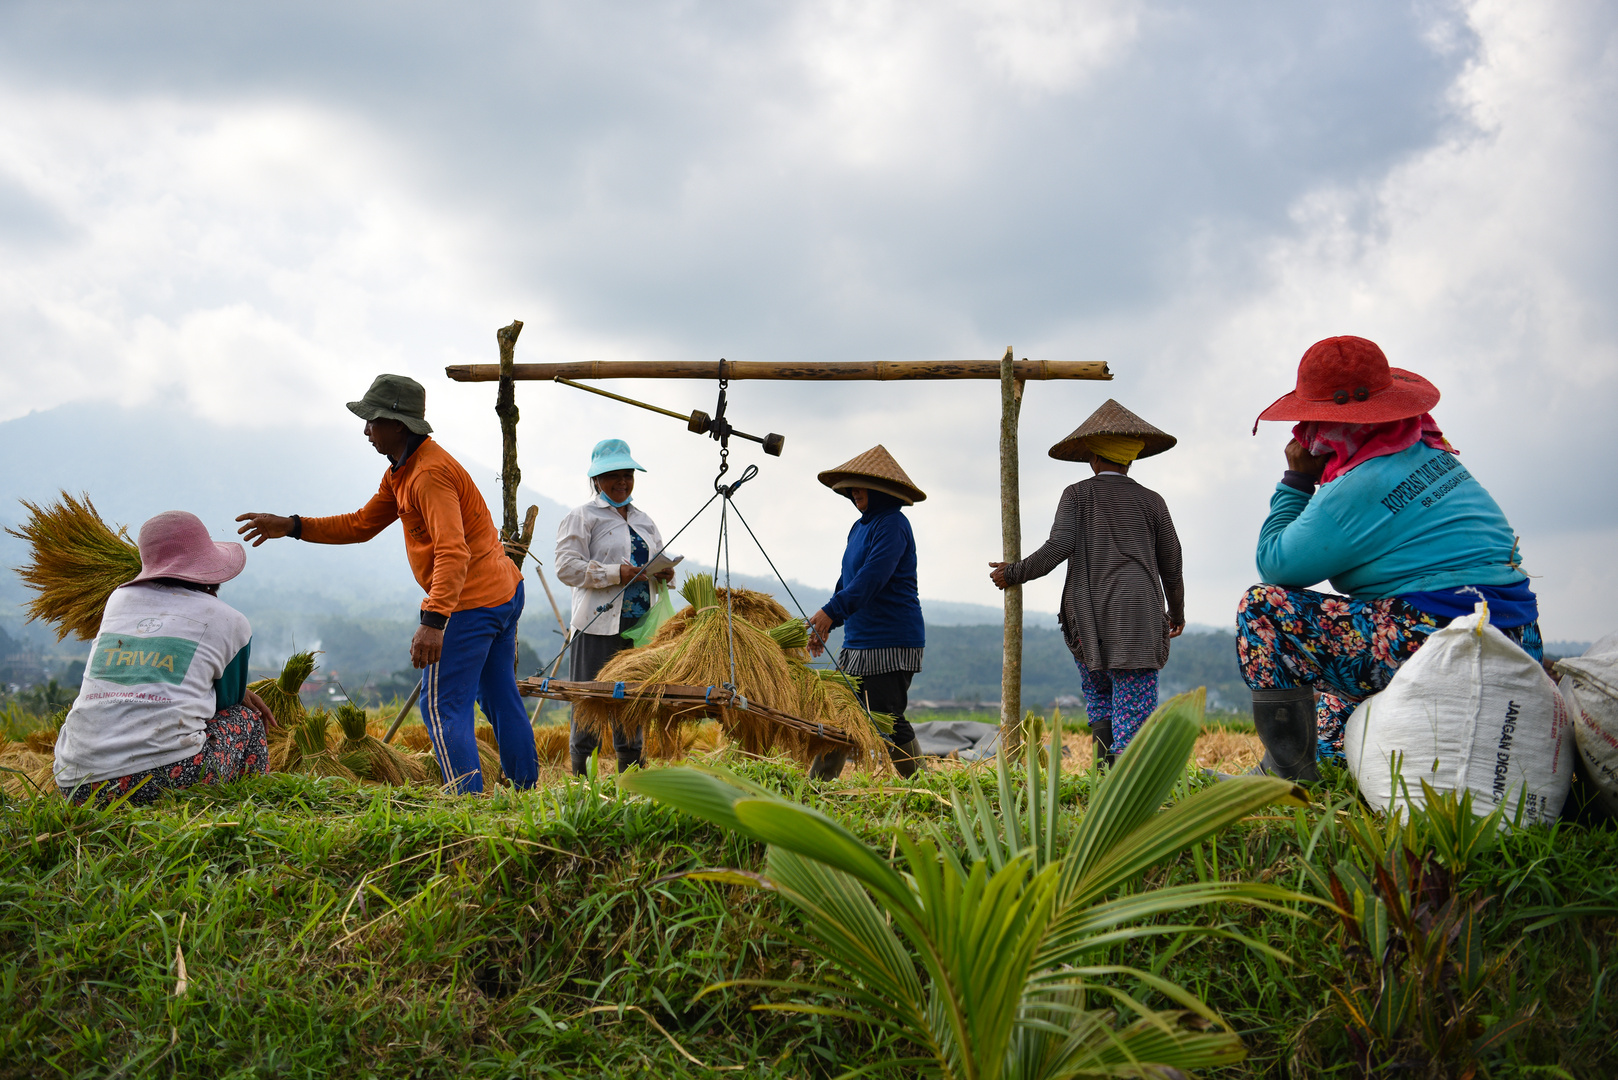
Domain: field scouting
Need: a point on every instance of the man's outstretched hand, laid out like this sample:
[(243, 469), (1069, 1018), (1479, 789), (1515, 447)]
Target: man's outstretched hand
[(426, 647), (262, 527)]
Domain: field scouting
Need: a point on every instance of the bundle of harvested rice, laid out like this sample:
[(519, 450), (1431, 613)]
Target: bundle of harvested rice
[(760, 609), (760, 658), (414, 737), (551, 741), (43, 740), (367, 756), (281, 692), (833, 698), (74, 563), (489, 756), (24, 770), (281, 695), (312, 752)]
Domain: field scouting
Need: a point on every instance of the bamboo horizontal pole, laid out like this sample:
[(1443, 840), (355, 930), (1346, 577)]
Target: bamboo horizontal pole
[(829, 371)]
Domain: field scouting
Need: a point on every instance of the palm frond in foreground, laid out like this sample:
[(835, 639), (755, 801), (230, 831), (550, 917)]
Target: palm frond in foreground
[(995, 965)]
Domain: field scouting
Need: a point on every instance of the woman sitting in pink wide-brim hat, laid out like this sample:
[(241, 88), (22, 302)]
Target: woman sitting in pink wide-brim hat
[(1375, 500), (164, 703)]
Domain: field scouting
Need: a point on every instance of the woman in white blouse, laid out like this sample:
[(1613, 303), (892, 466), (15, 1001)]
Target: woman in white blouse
[(600, 547)]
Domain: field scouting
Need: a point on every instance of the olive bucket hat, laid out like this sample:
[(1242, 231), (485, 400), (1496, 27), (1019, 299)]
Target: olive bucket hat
[(394, 397)]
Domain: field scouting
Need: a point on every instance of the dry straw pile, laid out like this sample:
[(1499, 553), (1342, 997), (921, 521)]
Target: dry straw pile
[(696, 648), (75, 561)]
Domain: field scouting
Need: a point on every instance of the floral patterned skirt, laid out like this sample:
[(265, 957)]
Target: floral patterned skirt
[(1346, 649), (235, 748)]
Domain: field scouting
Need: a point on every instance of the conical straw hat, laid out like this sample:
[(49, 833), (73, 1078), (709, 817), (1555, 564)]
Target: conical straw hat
[(874, 469), (1113, 419)]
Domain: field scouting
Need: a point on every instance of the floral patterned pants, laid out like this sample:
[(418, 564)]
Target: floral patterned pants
[(235, 748), (1117, 700), (1347, 649)]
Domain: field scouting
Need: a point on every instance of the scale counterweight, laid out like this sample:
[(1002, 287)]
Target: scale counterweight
[(699, 422)]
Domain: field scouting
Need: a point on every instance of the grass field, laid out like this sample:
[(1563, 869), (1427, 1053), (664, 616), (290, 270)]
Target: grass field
[(289, 926)]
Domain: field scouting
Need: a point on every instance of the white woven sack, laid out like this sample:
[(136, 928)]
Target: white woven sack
[(1470, 711), (1590, 684)]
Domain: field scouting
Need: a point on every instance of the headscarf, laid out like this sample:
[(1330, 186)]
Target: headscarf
[(1353, 444), (1118, 449)]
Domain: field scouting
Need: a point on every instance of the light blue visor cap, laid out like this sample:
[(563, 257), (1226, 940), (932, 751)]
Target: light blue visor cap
[(610, 455)]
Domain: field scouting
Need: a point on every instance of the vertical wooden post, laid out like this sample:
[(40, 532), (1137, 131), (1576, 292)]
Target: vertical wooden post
[(1011, 389), (505, 407)]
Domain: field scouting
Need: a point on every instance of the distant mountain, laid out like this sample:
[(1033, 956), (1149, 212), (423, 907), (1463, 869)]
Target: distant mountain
[(352, 602), (135, 463)]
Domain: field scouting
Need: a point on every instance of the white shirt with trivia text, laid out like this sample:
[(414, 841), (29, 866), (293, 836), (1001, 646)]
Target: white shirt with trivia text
[(148, 689), (592, 542)]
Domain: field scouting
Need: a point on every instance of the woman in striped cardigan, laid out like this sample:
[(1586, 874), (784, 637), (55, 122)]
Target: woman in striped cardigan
[(1124, 597)]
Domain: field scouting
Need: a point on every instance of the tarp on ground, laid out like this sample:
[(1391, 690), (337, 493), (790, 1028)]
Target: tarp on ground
[(970, 740)]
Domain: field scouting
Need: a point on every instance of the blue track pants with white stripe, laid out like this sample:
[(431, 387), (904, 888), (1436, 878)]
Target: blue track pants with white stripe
[(478, 666)]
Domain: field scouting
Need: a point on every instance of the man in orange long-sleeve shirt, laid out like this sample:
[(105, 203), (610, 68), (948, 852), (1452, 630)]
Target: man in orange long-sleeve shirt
[(466, 642)]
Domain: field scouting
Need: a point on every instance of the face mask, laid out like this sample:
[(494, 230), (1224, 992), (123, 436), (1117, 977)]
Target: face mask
[(610, 501)]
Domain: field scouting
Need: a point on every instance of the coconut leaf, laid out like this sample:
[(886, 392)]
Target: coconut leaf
[(992, 990)]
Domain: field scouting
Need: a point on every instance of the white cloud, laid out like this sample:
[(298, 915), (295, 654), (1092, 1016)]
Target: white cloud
[(1192, 196)]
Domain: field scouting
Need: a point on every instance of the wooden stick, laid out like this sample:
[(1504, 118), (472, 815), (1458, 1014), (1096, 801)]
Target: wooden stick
[(505, 407), (410, 703), (825, 371), (695, 699), (1011, 388)]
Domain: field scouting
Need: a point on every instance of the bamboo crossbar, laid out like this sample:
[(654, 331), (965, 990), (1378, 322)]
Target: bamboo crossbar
[(675, 696), (829, 371)]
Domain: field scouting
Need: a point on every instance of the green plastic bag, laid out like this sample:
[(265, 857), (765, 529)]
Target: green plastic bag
[(661, 611)]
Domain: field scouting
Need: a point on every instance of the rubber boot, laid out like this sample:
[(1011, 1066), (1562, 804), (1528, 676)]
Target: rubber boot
[(629, 759), (1285, 720), (1103, 743), (907, 758), (828, 765)]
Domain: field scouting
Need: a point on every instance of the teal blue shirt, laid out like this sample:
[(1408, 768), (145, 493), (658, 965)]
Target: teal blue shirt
[(1414, 521)]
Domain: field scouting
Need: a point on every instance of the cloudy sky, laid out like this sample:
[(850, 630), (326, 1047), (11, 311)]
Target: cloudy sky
[(248, 210)]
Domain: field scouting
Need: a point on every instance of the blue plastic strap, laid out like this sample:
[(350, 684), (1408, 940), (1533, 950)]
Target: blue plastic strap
[(618, 690), (544, 684), (707, 695)]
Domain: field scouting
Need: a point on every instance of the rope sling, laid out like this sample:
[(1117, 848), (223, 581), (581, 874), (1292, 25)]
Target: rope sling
[(698, 698)]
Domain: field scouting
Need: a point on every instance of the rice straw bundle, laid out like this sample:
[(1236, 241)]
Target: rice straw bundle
[(42, 740), (760, 609), (414, 737), (767, 658), (75, 562), (551, 741), (489, 756), (281, 695), (33, 765), (367, 756), (281, 692), (312, 752)]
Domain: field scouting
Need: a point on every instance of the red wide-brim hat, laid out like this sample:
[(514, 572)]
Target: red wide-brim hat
[(175, 544), (1347, 380)]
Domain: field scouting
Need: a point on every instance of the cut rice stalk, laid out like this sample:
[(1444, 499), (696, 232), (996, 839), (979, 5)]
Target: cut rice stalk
[(281, 695), (369, 757), (309, 749), (75, 561)]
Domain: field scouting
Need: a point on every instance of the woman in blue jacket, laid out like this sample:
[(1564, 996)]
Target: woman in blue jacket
[(1373, 499), (876, 602)]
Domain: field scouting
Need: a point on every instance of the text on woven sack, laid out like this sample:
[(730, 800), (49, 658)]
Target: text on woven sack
[(1502, 759)]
